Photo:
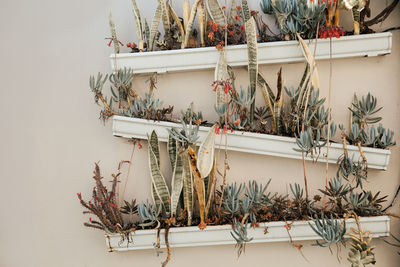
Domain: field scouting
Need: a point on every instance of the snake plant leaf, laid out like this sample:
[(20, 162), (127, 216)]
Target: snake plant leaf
[(154, 145), (165, 14), (216, 12), (172, 150), (186, 13), (278, 102), (202, 20), (199, 185), (232, 13), (146, 30), (310, 59), (246, 10), (187, 188), (205, 155), (220, 74), (138, 21), (178, 22), (156, 199), (210, 187), (160, 186), (189, 26), (154, 27), (177, 183), (113, 34), (251, 35)]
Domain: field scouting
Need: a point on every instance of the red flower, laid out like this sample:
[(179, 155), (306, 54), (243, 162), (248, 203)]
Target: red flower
[(223, 8), (211, 36), (242, 27), (237, 17), (219, 47), (210, 22), (90, 204), (238, 8), (227, 87), (225, 130), (231, 33), (198, 122), (134, 45), (253, 12), (217, 130), (128, 45), (237, 122), (79, 196), (214, 27), (139, 146), (90, 219)]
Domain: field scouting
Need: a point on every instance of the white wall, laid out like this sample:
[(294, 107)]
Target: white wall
[(51, 136)]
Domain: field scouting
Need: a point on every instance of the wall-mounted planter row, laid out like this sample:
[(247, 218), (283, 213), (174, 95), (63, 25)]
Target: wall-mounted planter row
[(255, 143), (220, 235), (268, 53)]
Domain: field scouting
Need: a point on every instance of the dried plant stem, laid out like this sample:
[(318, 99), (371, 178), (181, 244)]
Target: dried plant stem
[(361, 152), (168, 247), (129, 170), (329, 120)]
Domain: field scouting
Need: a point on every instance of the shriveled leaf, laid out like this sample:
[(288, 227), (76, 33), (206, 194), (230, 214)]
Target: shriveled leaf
[(310, 59)]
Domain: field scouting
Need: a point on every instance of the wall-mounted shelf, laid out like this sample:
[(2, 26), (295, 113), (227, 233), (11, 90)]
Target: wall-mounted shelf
[(254, 143), (221, 235), (366, 45)]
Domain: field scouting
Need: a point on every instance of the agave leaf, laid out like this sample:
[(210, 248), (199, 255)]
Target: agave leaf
[(189, 26), (216, 12), (177, 183), (205, 154), (113, 34), (246, 10), (232, 13), (310, 59), (251, 35), (160, 186), (198, 183), (178, 22), (138, 21), (172, 150), (187, 188), (154, 27), (220, 75), (202, 21)]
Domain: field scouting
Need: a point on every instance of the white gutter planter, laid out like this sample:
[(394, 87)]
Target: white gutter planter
[(255, 143), (365, 45), (221, 235)]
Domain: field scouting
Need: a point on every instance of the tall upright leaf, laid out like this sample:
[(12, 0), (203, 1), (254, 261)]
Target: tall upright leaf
[(205, 155), (113, 34), (232, 13), (199, 185), (202, 18), (189, 26), (172, 150), (311, 61), (246, 10), (187, 188), (154, 27), (220, 74), (216, 12), (177, 183), (160, 186), (165, 14), (178, 23), (251, 35), (138, 22)]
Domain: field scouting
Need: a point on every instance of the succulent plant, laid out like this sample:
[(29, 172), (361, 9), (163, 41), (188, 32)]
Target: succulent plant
[(148, 214), (329, 229), (231, 198), (361, 254), (364, 110), (188, 135), (357, 202), (190, 116), (239, 233)]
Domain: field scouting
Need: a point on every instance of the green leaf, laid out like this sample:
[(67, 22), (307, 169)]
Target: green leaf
[(172, 150), (154, 27), (138, 21), (251, 35), (187, 188), (177, 183), (220, 75)]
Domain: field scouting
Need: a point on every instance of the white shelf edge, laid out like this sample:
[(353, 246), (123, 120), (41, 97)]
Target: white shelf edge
[(365, 45), (262, 144), (379, 226)]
